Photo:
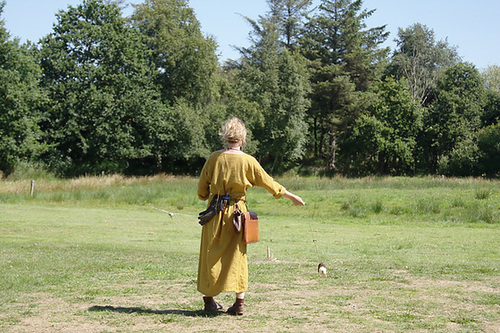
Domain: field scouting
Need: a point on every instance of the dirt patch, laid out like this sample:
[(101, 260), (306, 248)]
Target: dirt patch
[(318, 305)]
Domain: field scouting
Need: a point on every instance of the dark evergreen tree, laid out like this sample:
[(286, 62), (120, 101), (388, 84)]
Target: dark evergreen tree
[(277, 81), (344, 60), (289, 16)]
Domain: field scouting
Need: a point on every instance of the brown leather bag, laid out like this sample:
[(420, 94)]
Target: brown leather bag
[(250, 227), (249, 223)]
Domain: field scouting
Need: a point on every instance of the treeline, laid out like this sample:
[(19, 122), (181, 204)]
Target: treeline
[(146, 94)]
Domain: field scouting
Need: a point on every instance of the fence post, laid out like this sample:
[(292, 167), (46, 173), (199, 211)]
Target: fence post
[(32, 189)]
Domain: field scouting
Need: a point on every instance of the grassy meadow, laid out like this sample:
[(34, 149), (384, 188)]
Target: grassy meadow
[(100, 254)]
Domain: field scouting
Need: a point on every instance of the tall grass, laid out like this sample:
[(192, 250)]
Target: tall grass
[(114, 189), (374, 199)]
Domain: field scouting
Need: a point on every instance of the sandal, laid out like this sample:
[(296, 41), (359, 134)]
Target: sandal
[(211, 304)]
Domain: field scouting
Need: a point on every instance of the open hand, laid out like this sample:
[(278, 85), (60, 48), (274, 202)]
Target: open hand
[(296, 200)]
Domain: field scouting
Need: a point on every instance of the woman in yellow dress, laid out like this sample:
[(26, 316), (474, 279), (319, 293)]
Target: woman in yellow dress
[(223, 255)]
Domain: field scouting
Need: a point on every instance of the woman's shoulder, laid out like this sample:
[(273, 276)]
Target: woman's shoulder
[(213, 157), (215, 153), (246, 156), (250, 158)]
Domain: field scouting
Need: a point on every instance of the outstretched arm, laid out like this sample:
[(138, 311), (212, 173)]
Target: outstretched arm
[(297, 201), (259, 177)]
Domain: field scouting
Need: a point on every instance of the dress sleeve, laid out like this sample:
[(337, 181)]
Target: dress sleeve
[(262, 179), (204, 183)]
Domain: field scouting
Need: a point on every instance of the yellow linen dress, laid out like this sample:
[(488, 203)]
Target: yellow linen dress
[(223, 256)]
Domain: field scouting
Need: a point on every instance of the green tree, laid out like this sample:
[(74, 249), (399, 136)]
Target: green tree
[(419, 58), (491, 114), (384, 141), (462, 160), (364, 145), (345, 60), (289, 16), (234, 102), (489, 147), (186, 70), (104, 111), (276, 80), (491, 77), (454, 116), (19, 97), (185, 60)]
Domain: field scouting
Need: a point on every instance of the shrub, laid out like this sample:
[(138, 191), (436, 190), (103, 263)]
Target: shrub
[(462, 160), (30, 170), (489, 147)]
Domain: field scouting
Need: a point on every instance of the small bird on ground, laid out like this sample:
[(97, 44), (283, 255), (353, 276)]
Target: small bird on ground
[(322, 269)]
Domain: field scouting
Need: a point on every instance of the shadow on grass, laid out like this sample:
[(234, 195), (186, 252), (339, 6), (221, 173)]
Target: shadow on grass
[(187, 313)]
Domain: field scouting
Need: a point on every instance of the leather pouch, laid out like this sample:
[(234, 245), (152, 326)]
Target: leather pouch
[(237, 219), (206, 215), (218, 204), (250, 227)]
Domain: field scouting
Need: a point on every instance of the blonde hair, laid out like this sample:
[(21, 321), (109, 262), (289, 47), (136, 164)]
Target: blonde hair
[(234, 130)]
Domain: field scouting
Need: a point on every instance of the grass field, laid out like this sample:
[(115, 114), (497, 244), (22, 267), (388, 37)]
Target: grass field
[(403, 255)]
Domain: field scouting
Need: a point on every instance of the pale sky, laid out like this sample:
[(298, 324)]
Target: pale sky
[(472, 26)]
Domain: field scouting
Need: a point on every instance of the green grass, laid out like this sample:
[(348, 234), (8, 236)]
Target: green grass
[(403, 254)]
